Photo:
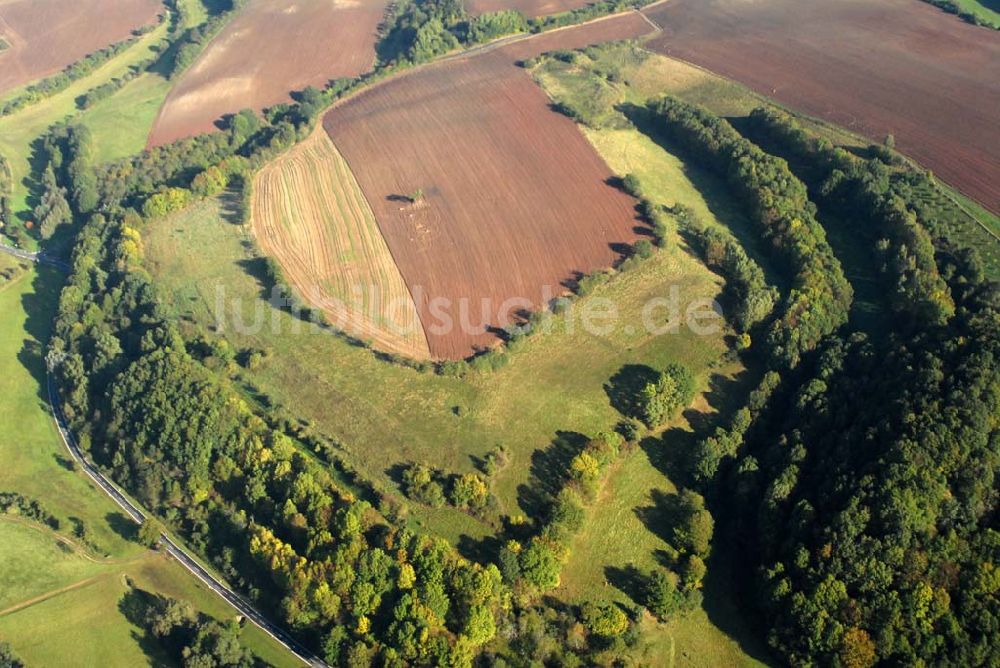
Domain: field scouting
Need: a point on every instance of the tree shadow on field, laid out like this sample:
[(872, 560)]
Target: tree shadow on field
[(122, 525), (662, 515), (629, 580), (549, 471), (625, 388), (230, 207)]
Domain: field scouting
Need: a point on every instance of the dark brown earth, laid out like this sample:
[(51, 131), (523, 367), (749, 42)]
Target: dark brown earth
[(47, 35), (272, 48), (516, 201), (892, 66)]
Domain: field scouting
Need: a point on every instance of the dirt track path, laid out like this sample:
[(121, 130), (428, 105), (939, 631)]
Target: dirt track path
[(52, 594)]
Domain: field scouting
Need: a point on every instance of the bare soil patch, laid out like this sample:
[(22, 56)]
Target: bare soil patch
[(877, 68), (311, 216), (515, 203), (272, 48), (47, 35)]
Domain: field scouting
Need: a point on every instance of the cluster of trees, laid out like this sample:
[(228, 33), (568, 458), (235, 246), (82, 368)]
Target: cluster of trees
[(59, 82), (419, 30), (660, 399), (669, 592), (189, 638), (13, 503), (867, 193), (749, 300), (8, 659), (820, 298), (53, 207), (434, 488), (188, 45), (533, 563), (491, 25)]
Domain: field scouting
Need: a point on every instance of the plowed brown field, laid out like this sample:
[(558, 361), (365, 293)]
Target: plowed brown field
[(271, 49), (891, 66), (515, 198), (47, 35), (529, 8), (310, 215)]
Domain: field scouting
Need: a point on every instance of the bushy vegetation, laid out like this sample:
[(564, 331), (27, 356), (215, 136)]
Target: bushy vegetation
[(749, 300), (435, 488), (419, 30), (13, 503), (953, 7), (778, 202), (491, 25), (8, 659)]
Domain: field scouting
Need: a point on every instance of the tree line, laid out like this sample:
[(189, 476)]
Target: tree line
[(820, 298), (865, 194)]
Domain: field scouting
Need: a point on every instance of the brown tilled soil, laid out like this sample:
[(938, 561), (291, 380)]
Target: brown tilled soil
[(891, 66), (514, 198), (47, 35), (271, 49), (529, 8)]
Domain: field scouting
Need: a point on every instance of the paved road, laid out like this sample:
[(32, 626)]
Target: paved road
[(37, 258), (173, 549)]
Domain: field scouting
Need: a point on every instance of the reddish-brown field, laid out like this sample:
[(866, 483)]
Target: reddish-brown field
[(47, 35), (892, 66), (529, 8), (515, 201), (271, 49)]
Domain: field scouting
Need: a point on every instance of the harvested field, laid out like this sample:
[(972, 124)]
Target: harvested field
[(272, 48), (530, 8), (515, 200), (310, 215), (891, 66), (47, 35)]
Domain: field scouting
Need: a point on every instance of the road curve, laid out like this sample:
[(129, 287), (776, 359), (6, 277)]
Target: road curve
[(173, 549)]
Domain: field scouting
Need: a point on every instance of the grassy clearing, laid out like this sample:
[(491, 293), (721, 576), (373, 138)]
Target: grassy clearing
[(386, 415), (121, 123)]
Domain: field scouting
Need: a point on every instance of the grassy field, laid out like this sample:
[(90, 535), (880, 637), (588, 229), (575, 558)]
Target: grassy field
[(36, 561), (386, 415)]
